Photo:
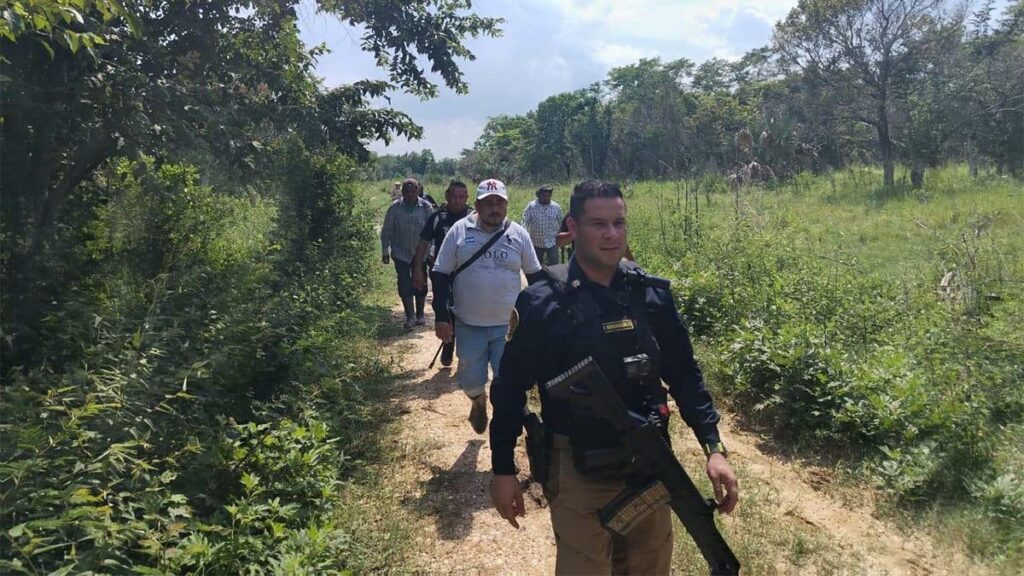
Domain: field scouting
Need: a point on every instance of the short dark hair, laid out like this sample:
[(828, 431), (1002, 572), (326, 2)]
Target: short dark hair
[(590, 189), (453, 185)]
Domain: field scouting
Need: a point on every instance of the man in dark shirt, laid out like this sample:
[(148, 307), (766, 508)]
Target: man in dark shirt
[(427, 197), (454, 209), (596, 312)]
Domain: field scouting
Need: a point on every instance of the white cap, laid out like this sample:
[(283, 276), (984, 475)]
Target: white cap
[(491, 187)]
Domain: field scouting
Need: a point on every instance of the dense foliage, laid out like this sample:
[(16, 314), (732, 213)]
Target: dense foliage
[(187, 385), (881, 328), (421, 165), (912, 82)]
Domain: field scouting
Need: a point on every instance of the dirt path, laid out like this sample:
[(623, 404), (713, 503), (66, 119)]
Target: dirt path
[(448, 474), (445, 481), (805, 494)]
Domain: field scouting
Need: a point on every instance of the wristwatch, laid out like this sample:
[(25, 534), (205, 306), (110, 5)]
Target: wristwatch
[(715, 448)]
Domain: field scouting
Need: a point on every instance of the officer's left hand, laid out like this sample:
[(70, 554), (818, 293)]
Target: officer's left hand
[(723, 479)]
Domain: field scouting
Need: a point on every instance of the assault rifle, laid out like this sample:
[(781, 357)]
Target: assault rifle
[(667, 482)]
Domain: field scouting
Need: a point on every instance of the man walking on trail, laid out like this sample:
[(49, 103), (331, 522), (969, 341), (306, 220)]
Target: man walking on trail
[(440, 222), (479, 264), (542, 218), (398, 238), (427, 197), (628, 324)]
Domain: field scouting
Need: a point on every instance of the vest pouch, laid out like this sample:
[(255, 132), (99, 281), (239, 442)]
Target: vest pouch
[(598, 451)]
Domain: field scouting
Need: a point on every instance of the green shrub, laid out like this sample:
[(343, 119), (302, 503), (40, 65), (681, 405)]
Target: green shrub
[(197, 397), (820, 309)]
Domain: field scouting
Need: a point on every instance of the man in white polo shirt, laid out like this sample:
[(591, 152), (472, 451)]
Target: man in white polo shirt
[(484, 292)]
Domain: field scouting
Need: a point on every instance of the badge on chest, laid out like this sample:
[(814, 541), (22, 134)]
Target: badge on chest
[(624, 325)]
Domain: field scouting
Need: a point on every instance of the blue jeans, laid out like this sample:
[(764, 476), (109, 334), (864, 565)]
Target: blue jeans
[(478, 347)]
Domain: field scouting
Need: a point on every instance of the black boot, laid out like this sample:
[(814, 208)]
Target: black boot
[(420, 305), (410, 319)]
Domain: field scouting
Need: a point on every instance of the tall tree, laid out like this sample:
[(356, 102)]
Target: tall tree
[(502, 149), (997, 90), (589, 131), (205, 82), (552, 151), (649, 107), (867, 47), (90, 80)]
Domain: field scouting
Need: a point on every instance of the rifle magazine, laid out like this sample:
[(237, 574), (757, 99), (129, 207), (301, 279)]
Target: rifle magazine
[(634, 504)]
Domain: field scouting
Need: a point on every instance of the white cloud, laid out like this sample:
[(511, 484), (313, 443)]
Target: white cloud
[(613, 55), (548, 47), (671, 28), (445, 137), (553, 72)]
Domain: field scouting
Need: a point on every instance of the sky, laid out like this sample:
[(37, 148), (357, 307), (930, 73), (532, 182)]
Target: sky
[(548, 47)]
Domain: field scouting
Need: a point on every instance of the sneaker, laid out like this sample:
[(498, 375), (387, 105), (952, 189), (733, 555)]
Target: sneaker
[(478, 414), (446, 354), (421, 320)]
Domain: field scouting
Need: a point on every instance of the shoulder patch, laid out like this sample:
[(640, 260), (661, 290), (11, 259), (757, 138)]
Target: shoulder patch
[(513, 323)]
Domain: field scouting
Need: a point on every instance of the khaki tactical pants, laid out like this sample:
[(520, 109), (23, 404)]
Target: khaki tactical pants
[(586, 547)]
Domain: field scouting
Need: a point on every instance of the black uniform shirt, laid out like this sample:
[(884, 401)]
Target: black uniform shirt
[(543, 345), (438, 224)]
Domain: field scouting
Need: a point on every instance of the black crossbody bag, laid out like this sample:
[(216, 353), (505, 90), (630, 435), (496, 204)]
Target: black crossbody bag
[(476, 255)]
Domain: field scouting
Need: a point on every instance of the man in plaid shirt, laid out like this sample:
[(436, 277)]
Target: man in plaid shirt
[(541, 219), (398, 238)]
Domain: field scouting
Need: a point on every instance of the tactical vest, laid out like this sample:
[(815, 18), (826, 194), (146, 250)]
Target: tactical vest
[(585, 329)]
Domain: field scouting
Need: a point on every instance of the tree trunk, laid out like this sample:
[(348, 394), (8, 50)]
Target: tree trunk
[(885, 145), (972, 157), (917, 175)]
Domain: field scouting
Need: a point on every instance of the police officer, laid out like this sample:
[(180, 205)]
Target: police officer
[(455, 208), (604, 309)]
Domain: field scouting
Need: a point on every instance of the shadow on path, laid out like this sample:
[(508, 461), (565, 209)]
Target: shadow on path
[(425, 384), (452, 496)]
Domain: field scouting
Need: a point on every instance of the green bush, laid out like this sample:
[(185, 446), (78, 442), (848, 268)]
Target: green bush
[(882, 327), (196, 398)]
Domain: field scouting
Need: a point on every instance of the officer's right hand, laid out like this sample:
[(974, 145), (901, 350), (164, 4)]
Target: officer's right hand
[(385, 258), (443, 331), (507, 496), (419, 280)]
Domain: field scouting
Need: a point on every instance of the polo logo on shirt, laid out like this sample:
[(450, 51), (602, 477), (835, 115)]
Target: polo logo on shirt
[(623, 325)]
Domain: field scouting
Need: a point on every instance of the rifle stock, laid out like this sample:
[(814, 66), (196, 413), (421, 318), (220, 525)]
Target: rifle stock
[(584, 384)]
